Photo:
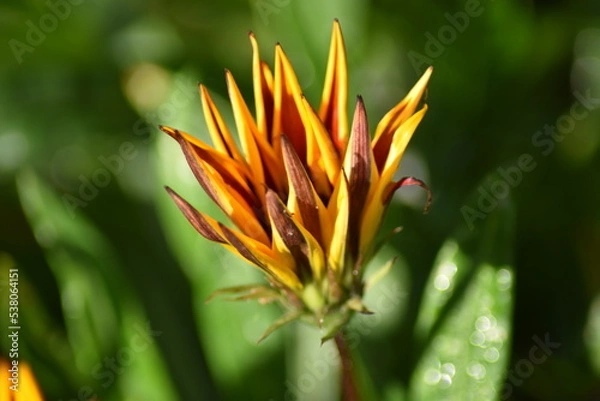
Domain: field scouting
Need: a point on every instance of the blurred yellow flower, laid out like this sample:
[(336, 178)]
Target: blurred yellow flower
[(18, 382), (306, 193)]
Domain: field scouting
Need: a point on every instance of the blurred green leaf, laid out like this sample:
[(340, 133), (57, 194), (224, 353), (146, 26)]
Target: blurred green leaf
[(592, 334), (464, 323), (83, 266), (228, 330), (109, 336)]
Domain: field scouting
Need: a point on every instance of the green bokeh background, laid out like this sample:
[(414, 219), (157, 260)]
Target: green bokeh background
[(95, 274)]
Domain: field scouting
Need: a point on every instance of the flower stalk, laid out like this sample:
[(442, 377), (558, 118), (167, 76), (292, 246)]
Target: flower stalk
[(349, 388)]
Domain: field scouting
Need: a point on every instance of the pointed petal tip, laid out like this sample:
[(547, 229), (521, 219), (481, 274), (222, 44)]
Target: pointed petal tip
[(172, 132), (285, 141), (426, 76), (337, 26), (360, 105)]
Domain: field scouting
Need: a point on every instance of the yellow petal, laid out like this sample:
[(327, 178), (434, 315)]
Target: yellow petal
[(339, 210), (278, 267), (263, 95), (394, 118), (322, 144), (335, 91), (258, 151), (375, 206), (244, 123), (219, 133)]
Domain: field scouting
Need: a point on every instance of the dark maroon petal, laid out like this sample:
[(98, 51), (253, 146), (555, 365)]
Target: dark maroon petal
[(239, 245), (197, 169), (290, 233), (195, 218), (303, 187), (360, 170)]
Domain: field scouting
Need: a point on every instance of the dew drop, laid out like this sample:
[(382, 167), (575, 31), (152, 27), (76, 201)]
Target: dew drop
[(491, 354), (476, 370), (449, 269), (448, 369), (445, 381), (503, 279), (477, 338), (432, 376), (483, 323), (441, 282)]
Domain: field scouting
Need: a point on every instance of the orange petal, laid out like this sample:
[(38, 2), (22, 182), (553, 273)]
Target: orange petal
[(234, 173), (394, 118), (258, 151), (219, 133), (334, 100), (287, 105), (229, 200)]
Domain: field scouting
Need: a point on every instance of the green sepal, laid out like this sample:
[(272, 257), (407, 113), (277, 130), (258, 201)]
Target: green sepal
[(379, 274), (285, 319), (247, 292), (335, 321), (356, 304)]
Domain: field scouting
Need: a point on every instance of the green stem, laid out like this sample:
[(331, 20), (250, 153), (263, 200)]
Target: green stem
[(349, 388)]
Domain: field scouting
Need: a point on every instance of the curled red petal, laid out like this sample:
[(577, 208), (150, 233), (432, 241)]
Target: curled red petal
[(408, 181)]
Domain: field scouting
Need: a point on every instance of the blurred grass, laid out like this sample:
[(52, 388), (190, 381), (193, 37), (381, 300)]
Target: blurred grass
[(103, 77)]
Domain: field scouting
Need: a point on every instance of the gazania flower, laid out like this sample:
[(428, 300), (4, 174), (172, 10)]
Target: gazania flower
[(306, 194)]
